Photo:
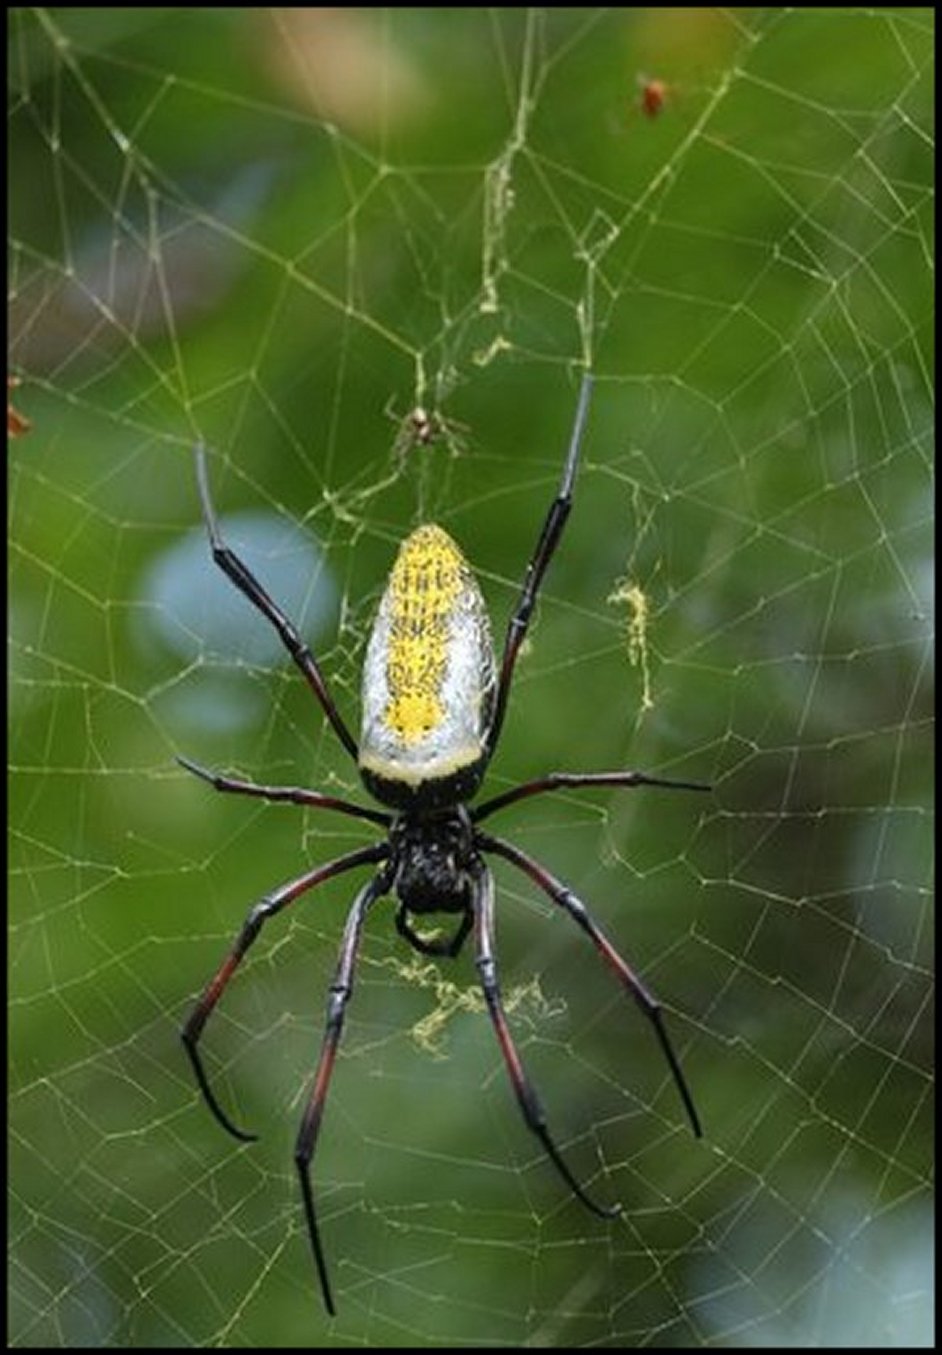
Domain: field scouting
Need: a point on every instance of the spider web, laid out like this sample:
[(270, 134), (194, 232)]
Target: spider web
[(279, 232)]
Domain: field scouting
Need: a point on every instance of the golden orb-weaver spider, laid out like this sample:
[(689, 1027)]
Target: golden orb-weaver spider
[(434, 703)]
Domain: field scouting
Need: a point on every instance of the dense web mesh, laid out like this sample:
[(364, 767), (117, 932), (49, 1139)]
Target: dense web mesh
[(282, 233)]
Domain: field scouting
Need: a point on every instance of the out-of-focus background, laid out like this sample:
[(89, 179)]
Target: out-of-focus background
[(278, 232)]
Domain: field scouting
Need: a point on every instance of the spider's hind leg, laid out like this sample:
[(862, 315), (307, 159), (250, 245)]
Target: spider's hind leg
[(239, 574), (549, 539)]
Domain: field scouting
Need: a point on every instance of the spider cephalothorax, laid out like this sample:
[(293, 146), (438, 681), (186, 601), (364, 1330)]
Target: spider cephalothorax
[(433, 857), (434, 701)]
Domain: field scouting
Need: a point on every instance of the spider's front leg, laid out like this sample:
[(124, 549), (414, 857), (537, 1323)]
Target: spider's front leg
[(566, 899), (527, 1099), (257, 917), (340, 992)]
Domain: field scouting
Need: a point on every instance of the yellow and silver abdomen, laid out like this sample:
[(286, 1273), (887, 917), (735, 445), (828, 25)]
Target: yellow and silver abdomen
[(429, 678)]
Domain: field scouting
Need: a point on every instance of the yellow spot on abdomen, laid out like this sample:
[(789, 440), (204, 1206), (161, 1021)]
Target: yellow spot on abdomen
[(426, 582)]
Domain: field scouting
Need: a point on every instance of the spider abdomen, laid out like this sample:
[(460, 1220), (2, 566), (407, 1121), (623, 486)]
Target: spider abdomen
[(428, 680)]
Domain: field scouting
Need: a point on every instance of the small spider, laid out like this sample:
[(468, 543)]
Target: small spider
[(652, 97), (434, 701), (422, 427), (17, 423)]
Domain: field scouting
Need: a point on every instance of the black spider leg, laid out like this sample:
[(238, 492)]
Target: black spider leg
[(434, 945), (247, 584), (545, 549), (258, 915), (558, 892), (340, 992), (483, 907), (570, 780), (292, 794)]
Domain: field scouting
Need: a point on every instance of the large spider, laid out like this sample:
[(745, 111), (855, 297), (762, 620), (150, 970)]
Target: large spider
[(433, 708)]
